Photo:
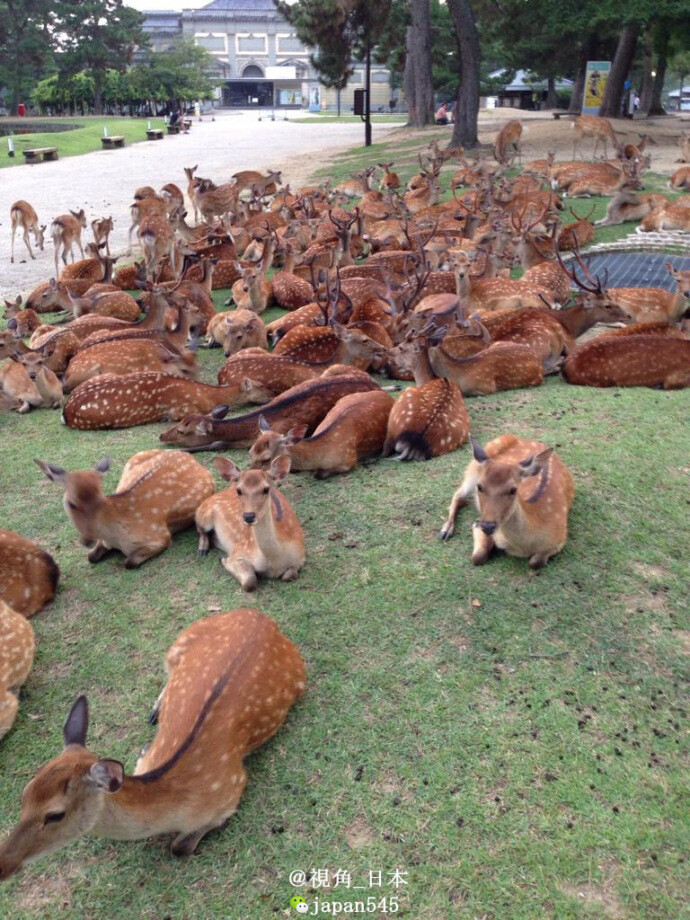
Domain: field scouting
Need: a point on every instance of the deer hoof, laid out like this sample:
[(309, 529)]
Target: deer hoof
[(445, 533)]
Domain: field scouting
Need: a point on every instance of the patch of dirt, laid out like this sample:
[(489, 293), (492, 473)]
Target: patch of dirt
[(601, 896), (43, 894), (651, 572), (683, 637), (359, 834)]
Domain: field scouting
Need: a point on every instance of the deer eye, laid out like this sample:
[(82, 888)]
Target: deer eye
[(239, 491), (53, 817), (267, 490), (512, 490), (72, 505), (480, 488)]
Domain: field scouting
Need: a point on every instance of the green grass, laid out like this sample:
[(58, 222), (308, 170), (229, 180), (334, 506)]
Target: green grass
[(84, 139), (515, 742)]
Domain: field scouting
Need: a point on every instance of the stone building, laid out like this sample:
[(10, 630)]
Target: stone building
[(259, 61)]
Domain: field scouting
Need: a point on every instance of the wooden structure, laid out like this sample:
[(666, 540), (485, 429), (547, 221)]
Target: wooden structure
[(41, 153), (109, 143)]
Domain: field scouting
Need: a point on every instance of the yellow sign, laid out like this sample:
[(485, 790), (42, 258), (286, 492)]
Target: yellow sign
[(595, 84)]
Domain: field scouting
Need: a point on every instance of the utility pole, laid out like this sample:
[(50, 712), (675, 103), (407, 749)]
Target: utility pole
[(367, 101)]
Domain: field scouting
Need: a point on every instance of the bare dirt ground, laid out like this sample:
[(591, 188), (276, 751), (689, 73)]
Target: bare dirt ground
[(102, 182)]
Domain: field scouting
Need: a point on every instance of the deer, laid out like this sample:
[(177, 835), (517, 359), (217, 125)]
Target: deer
[(127, 356), (66, 231), (22, 323), (354, 429), (577, 234), (680, 180), (49, 388), (540, 330), (389, 180), (28, 574), (496, 293), (429, 419), (214, 201), (630, 361), (253, 524), (102, 228), (289, 290), (304, 404), (593, 126), (335, 344), (157, 496), (16, 383), (672, 216), (524, 518), (116, 304), (157, 242), (235, 330), (191, 189), (265, 185), (275, 372), (627, 205), (232, 679), (110, 402), (23, 215), (601, 181), (358, 183), (17, 644), (508, 143), (684, 147)]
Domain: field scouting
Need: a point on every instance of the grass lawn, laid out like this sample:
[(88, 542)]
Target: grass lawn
[(84, 139), (515, 742)]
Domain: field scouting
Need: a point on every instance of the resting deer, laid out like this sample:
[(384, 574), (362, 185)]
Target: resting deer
[(16, 657), (28, 575), (354, 429), (236, 330), (16, 383), (231, 680), (524, 517), (593, 126), (627, 205), (253, 524), (157, 496), (630, 361), (680, 180), (389, 180), (101, 229), (23, 215), (66, 231)]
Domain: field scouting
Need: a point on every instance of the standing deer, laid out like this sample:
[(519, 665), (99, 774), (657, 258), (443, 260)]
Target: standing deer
[(508, 143), (28, 575), (253, 524), (16, 657), (23, 215), (66, 231), (231, 680), (157, 496), (593, 126), (101, 229), (525, 518)]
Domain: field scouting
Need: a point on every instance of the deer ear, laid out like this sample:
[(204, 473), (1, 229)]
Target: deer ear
[(103, 465), (263, 423), (280, 467), (670, 269), (480, 455), (107, 774), (227, 469), (77, 724), (204, 426), (534, 464), (54, 473), (295, 435), (53, 283), (220, 412)]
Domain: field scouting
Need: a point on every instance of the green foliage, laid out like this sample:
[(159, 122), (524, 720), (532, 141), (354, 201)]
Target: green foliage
[(25, 41), (179, 73)]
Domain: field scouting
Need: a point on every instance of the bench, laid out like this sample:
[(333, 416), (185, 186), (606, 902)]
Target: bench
[(154, 134), (558, 115), (174, 129), (187, 124), (109, 143), (41, 153)]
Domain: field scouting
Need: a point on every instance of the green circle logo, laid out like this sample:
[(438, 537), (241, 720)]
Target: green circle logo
[(299, 904)]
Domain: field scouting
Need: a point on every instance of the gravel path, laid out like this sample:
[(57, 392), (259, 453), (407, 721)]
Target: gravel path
[(102, 182)]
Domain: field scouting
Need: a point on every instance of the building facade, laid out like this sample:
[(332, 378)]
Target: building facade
[(259, 60)]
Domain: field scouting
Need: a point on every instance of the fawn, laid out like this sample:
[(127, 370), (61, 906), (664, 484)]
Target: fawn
[(16, 657), (28, 575)]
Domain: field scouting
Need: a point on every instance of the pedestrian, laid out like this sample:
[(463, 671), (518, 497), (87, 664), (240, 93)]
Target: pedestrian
[(441, 116)]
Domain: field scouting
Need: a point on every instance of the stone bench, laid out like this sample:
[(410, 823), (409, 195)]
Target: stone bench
[(41, 153), (109, 143), (558, 115), (174, 129), (155, 134)]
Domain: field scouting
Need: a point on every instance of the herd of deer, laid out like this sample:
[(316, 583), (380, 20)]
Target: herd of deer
[(399, 282)]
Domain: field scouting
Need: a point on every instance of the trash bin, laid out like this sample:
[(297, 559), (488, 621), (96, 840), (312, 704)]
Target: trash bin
[(21, 109)]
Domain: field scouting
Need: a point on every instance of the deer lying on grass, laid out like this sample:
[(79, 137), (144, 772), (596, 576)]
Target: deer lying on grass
[(253, 524), (66, 231), (389, 180), (674, 215), (525, 518), (354, 429), (630, 361), (429, 419), (236, 330), (334, 344), (577, 234), (108, 402), (16, 383), (680, 180), (598, 128), (628, 205), (101, 228), (16, 658), (28, 575), (157, 496), (117, 304), (23, 215), (305, 404), (275, 372), (231, 680)]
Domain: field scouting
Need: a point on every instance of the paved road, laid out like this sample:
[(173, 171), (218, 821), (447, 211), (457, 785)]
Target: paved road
[(102, 182)]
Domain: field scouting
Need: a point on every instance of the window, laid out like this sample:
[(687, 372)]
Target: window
[(290, 43), (248, 44), (356, 77), (380, 76), (211, 42), (252, 72)]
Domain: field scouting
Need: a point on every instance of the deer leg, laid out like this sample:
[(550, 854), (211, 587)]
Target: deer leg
[(156, 708), (289, 574), (100, 551), (539, 560), (185, 844), (458, 501), (243, 571), (27, 242), (138, 556), (81, 248), (204, 541), (23, 407), (481, 545)]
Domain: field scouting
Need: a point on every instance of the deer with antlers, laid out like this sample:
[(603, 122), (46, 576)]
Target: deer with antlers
[(23, 215), (232, 679), (600, 129), (577, 234), (524, 518)]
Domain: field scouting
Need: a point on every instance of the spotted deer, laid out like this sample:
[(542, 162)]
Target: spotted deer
[(66, 231), (231, 680), (16, 658), (354, 429), (577, 234), (524, 518), (500, 366), (389, 180), (429, 419), (253, 524), (23, 215), (334, 344), (265, 185), (275, 372), (630, 361), (109, 402), (593, 126), (16, 383), (102, 228), (236, 330), (157, 496), (628, 205), (191, 189), (28, 575), (128, 356)]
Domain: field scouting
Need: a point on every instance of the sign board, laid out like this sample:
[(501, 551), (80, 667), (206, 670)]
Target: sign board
[(359, 100), (281, 73), (314, 99), (596, 78)]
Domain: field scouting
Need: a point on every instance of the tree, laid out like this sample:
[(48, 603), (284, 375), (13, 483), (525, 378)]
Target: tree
[(338, 31), (680, 65), (620, 68), (467, 106), (419, 90), (95, 35), (25, 50)]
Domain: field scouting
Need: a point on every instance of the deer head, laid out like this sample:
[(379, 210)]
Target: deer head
[(254, 486), (83, 495)]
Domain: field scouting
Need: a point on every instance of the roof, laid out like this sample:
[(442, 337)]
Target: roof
[(161, 20), (522, 82), (240, 5)]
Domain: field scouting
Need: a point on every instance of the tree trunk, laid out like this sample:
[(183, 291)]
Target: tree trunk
[(467, 106), (409, 82), (575, 106), (655, 106), (419, 55), (625, 52), (647, 68), (551, 94)]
